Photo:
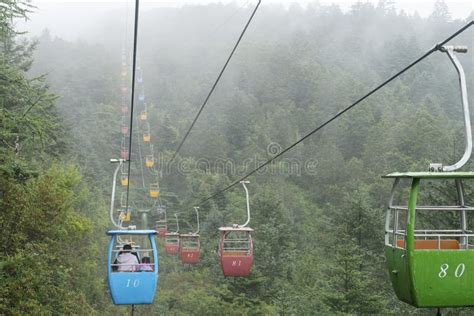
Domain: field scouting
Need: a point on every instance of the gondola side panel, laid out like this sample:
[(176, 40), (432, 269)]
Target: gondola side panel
[(443, 278), (399, 274)]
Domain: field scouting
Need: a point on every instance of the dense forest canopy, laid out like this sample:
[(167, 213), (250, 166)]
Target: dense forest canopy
[(318, 212)]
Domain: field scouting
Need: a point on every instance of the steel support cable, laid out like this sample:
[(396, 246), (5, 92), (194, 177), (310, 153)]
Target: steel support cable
[(216, 82), (428, 53), (132, 101), (230, 17), (140, 156)]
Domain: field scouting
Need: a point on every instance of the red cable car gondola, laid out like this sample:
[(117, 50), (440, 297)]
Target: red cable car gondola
[(161, 225), (190, 248), (124, 153), (124, 126), (172, 240), (236, 251), (236, 246), (189, 245), (123, 149)]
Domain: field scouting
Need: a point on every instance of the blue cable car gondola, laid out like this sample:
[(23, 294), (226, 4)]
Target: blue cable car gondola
[(135, 283)]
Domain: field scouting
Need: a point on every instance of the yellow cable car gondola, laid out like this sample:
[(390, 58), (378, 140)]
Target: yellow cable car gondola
[(124, 180), (149, 161), (146, 137), (146, 133), (154, 190), (123, 176), (125, 216), (143, 115)]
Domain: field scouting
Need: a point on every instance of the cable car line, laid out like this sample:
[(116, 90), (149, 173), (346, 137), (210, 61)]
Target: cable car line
[(132, 101), (216, 82), (218, 27), (428, 53), (140, 157)]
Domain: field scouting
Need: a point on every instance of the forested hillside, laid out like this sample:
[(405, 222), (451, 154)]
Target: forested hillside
[(318, 212), (51, 223)]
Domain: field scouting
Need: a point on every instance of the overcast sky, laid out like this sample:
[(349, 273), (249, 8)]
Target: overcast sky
[(459, 8), (55, 14)]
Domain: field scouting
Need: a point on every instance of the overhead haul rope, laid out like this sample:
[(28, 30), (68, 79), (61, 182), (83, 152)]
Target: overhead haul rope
[(140, 156), (230, 17), (428, 53), (132, 101), (216, 82)]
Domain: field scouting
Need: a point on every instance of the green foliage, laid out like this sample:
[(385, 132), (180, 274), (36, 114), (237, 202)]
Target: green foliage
[(46, 245), (355, 257), (49, 249)]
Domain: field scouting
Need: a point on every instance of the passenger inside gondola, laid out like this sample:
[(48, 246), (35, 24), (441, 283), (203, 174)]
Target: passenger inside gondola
[(146, 265), (126, 261)]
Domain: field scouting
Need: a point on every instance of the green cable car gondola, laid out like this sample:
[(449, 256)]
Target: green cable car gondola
[(430, 248), (430, 266)]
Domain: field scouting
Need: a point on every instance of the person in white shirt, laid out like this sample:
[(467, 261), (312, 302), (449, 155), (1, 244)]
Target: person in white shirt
[(127, 262)]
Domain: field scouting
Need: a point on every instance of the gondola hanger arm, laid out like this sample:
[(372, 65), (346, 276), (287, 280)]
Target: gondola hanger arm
[(450, 51)]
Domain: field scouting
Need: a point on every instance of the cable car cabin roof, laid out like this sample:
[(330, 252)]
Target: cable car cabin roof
[(189, 235), (132, 232), (237, 229), (431, 175), (172, 234)]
